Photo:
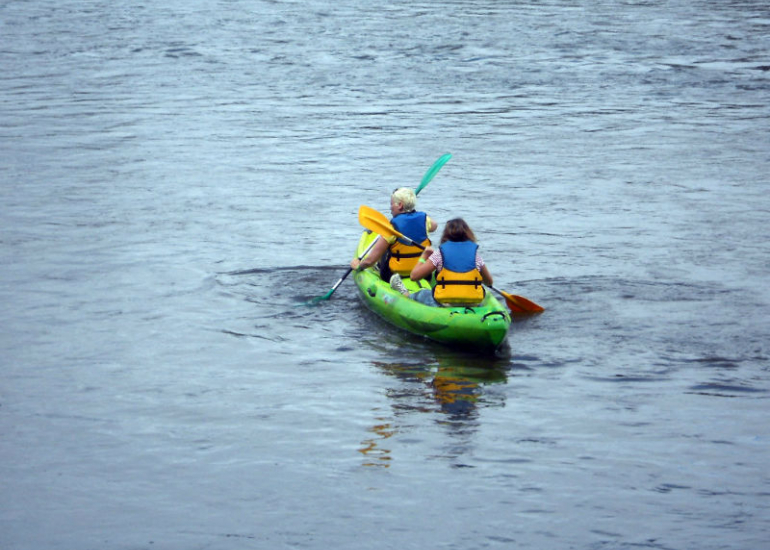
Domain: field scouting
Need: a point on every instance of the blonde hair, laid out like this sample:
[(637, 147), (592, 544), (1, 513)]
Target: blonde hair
[(405, 196)]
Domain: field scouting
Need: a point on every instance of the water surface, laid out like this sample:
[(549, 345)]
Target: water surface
[(178, 179)]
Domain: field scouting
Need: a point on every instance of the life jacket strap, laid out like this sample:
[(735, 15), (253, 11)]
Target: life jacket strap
[(398, 255)]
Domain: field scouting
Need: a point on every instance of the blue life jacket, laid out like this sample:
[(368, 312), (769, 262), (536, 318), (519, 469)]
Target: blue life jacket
[(413, 225), (403, 254)]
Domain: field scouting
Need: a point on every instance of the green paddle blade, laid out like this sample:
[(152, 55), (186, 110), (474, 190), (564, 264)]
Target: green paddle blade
[(432, 171), (321, 298)]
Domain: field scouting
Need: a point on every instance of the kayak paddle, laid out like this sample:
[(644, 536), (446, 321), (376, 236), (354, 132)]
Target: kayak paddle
[(377, 222), (426, 179)]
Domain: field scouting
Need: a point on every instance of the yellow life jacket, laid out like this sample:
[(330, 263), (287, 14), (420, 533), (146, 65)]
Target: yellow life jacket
[(459, 282), (403, 257)]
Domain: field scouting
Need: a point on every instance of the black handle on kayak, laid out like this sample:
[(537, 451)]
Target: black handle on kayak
[(491, 313)]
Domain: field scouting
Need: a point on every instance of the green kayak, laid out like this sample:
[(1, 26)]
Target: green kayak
[(478, 328)]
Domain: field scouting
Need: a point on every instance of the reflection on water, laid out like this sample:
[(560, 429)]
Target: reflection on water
[(375, 453), (453, 388)]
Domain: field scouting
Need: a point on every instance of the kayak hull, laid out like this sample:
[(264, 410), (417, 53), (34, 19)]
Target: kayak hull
[(478, 328)]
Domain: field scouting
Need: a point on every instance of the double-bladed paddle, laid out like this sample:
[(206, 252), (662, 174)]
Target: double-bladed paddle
[(377, 222), (426, 179)]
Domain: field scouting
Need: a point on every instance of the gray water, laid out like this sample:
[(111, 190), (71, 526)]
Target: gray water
[(179, 178)]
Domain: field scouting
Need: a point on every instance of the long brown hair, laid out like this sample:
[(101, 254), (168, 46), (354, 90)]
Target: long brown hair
[(457, 230)]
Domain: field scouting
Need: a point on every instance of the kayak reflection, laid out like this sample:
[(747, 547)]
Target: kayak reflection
[(453, 388)]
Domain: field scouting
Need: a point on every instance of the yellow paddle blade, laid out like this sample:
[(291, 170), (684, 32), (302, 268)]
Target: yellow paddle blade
[(376, 222), (370, 213)]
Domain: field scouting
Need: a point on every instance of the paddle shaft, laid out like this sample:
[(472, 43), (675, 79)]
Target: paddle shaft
[(361, 257)]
